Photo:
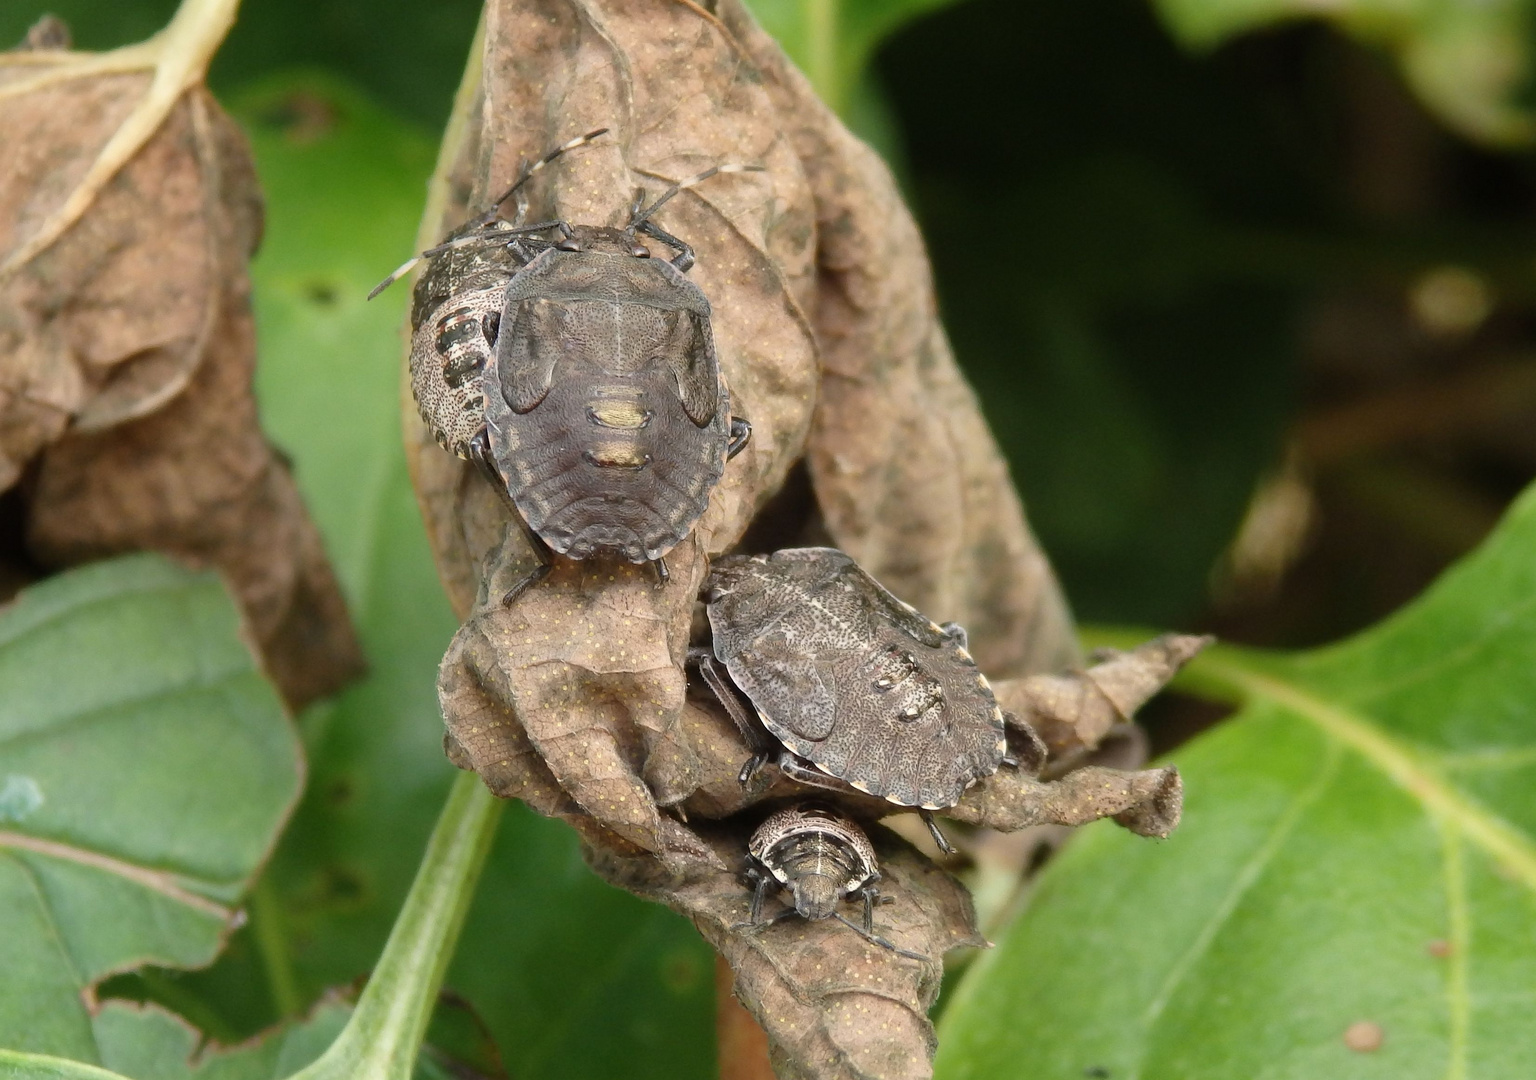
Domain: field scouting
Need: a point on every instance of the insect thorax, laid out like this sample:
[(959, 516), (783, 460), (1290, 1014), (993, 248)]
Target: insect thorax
[(852, 680), (608, 415)]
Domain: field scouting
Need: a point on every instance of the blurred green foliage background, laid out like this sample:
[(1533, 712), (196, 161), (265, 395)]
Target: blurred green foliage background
[(1252, 322)]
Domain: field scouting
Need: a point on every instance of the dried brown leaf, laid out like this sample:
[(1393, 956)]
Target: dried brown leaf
[(1073, 711), (574, 699), (1146, 802), (678, 98), (833, 1004), (128, 208)]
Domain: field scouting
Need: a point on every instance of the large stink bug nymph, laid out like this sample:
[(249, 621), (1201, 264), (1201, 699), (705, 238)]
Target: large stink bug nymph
[(821, 857), (578, 373), (849, 686)]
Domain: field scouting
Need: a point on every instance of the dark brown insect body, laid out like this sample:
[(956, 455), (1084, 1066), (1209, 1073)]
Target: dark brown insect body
[(608, 415), (579, 374), (822, 858), (858, 686)]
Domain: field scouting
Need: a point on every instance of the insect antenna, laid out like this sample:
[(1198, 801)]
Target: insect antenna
[(640, 217), (399, 272), (526, 172), (484, 235)]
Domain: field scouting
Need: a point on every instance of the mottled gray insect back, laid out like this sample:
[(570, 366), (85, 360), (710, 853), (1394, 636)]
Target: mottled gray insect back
[(847, 677), (609, 418), (822, 858), (578, 373)]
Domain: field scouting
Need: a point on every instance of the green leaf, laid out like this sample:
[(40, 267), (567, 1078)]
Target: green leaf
[(1359, 847), (18, 1066), (151, 1044), (345, 183), (576, 978), (1470, 62), (832, 40), (145, 768), (379, 1039)]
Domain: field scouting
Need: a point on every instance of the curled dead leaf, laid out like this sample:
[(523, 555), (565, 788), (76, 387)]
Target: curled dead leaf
[(864, 432), (1073, 711), (128, 209)]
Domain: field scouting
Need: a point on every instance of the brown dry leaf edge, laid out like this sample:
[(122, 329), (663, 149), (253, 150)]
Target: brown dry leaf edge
[(128, 209)]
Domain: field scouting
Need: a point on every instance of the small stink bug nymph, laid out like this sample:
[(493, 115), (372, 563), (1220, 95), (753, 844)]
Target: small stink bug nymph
[(850, 687), (578, 373), (822, 858)]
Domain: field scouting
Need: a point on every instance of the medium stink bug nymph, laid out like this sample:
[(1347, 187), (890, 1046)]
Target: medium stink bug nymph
[(821, 857), (579, 375), (850, 687)]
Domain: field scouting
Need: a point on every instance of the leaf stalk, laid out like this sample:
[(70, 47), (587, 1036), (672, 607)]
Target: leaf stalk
[(385, 1032)]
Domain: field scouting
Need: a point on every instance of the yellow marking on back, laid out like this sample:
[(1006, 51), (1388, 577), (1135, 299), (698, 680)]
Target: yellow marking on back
[(618, 455), (619, 414)]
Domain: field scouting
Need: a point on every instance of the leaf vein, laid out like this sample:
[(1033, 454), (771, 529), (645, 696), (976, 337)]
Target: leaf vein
[(158, 881), (1459, 917), (1492, 834), (1245, 880), (217, 682)]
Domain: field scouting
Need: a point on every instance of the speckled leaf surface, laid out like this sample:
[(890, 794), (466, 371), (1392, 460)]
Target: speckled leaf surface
[(1358, 855), (138, 792)]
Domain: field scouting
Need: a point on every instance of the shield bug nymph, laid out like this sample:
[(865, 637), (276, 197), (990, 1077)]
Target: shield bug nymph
[(850, 686), (579, 374), (822, 858)]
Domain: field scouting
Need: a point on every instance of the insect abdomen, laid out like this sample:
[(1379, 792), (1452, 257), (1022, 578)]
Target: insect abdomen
[(605, 466)]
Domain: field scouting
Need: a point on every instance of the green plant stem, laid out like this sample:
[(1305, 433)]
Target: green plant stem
[(821, 49), (381, 1040), (272, 947)]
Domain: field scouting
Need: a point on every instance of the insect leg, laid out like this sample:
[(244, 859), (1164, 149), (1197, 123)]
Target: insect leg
[(662, 575), (685, 256), (640, 217), (802, 772), (938, 837), (871, 936), (869, 892), (480, 454), (751, 731), (741, 434), (753, 766), (761, 883)]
